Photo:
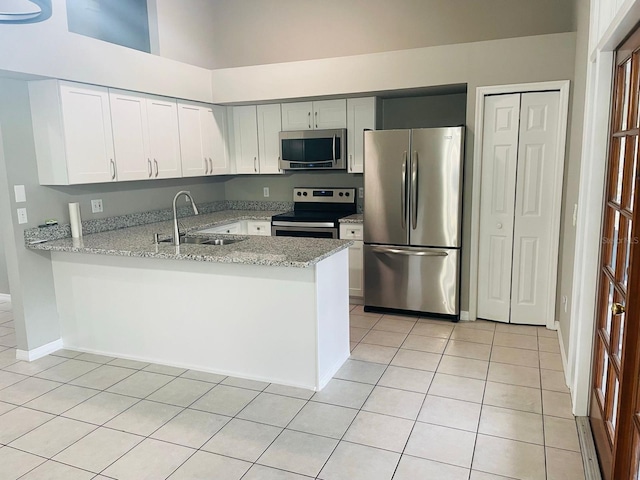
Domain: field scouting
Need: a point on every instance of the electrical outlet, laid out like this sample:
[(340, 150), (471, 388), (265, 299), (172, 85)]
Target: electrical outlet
[(265, 191), (22, 215), (96, 205), (361, 192)]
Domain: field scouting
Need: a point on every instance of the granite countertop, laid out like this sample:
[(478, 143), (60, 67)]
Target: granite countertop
[(355, 218), (253, 249)]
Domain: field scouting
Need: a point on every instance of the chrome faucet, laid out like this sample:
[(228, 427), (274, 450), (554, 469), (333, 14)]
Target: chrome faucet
[(176, 233)]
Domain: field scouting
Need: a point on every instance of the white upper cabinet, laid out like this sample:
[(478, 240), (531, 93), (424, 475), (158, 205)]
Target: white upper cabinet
[(145, 136), (314, 115), (361, 116), (164, 137), (72, 133), (245, 139), (269, 127), (130, 136), (202, 139)]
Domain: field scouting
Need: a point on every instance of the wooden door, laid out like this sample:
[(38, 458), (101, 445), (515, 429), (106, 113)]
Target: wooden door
[(615, 400)]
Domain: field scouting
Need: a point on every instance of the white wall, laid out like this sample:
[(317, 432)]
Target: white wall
[(4, 276)]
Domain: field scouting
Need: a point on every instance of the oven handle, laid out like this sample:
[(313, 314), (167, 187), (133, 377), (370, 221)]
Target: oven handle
[(303, 224)]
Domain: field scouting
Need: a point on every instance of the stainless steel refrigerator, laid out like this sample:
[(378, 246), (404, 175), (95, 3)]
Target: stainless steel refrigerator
[(413, 219)]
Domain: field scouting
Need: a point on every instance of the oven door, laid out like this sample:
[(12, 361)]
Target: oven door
[(300, 231)]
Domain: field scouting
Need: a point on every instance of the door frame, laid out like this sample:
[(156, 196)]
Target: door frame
[(481, 92)]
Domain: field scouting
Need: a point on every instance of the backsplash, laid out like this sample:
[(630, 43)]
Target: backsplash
[(56, 232)]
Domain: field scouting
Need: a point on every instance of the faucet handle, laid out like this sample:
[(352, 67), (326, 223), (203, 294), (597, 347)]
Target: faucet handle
[(156, 238)]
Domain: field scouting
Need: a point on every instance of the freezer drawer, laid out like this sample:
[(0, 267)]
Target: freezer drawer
[(412, 278)]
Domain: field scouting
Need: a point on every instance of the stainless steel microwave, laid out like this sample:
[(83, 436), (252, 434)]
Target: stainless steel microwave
[(314, 150)]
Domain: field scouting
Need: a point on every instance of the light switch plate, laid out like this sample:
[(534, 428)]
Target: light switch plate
[(361, 192), (22, 215), (96, 205), (265, 191), (20, 193)]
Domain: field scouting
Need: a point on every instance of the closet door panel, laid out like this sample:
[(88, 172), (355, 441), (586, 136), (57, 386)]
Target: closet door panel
[(499, 160), (531, 301)]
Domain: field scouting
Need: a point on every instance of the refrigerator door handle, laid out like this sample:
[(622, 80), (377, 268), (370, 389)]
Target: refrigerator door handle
[(403, 191), (414, 191), (333, 148), (401, 251)]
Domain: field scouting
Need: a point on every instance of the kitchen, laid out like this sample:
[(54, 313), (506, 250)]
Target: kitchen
[(425, 68)]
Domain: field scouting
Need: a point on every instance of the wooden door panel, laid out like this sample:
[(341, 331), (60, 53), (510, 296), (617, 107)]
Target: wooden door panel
[(615, 406)]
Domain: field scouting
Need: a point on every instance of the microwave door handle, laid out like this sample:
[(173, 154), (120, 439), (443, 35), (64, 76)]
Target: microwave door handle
[(403, 191), (414, 191), (333, 149)]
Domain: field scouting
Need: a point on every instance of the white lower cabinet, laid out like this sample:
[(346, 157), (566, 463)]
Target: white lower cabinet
[(256, 227), (353, 231), (242, 227)]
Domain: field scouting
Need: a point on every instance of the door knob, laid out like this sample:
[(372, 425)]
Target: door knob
[(617, 309), (499, 226)]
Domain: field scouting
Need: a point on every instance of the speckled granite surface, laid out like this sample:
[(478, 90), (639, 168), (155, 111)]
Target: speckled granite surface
[(90, 226), (355, 218), (254, 250)]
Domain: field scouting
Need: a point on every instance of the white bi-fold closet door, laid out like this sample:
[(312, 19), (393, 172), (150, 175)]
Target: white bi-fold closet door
[(517, 209)]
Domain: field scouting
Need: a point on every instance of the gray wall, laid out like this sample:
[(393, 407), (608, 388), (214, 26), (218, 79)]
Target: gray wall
[(4, 276), (424, 111), (572, 173), (34, 299), (230, 33)]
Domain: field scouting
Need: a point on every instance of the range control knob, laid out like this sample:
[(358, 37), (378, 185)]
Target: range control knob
[(347, 194), (304, 193), (341, 194), (299, 193)]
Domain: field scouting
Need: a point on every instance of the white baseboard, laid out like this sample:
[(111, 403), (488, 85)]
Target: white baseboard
[(36, 353), (5, 297), (464, 316), (563, 355)]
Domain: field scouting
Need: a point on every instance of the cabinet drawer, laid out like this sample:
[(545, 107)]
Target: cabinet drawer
[(351, 231), (259, 228)]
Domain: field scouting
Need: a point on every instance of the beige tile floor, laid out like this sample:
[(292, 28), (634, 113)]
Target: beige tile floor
[(417, 399)]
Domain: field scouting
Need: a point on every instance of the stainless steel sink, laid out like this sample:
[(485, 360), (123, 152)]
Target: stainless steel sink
[(203, 240)]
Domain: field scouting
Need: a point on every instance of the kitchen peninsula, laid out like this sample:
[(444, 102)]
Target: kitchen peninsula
[(265, 308)]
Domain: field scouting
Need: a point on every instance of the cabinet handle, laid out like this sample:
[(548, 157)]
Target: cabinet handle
[(351, 163), (112, 167), (155, 162), (206, 167), (210, 166), (255, 167), (316, 115), (309, 119), (149, 167)]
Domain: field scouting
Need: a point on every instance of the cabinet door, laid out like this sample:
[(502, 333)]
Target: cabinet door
[(214, 132), (130, 136), (330, 114), (356, 261), (269, 126), (297, 116), (361, 116), (192, 154), (87, 133), (245, 138), (164, 137)]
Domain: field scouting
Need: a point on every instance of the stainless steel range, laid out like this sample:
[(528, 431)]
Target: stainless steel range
[(316, 213)]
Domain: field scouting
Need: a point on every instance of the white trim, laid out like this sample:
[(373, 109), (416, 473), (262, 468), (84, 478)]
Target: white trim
[(36, 353), (464, 316), (563, 356), (481, 92), (589, 229), (5, 297)]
